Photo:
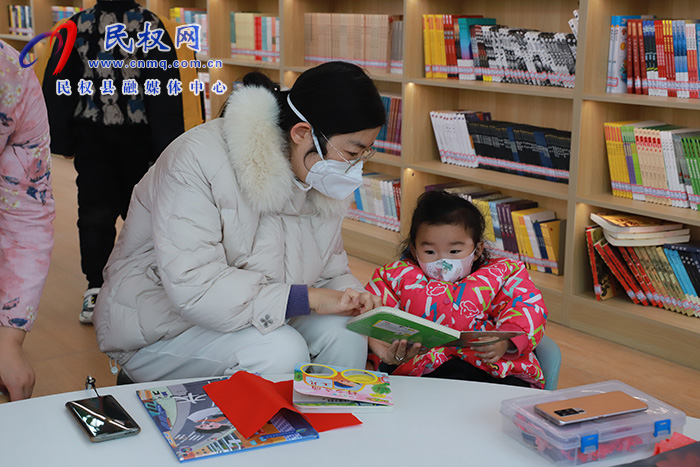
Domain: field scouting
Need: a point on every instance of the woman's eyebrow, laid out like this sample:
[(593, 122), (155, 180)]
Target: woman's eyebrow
[(359, 144)]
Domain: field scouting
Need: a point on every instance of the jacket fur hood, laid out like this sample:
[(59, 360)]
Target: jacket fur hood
[(258, 152)]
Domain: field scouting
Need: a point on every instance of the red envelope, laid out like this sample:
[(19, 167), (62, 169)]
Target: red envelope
[(250, 401)]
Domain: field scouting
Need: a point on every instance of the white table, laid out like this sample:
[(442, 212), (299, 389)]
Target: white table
[(434, 421)]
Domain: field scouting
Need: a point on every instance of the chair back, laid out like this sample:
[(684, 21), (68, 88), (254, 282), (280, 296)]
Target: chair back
[(549, 355)]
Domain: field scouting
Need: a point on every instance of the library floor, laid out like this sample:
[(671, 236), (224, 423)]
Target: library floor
[(63, 352)]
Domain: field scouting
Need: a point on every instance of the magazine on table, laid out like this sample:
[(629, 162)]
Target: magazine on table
[(195, 427)]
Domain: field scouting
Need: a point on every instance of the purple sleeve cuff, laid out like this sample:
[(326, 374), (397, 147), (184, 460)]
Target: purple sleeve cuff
[(298, 302)]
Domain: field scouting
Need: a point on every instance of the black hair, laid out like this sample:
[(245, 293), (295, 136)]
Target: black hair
[(442, 208), (335, 97)]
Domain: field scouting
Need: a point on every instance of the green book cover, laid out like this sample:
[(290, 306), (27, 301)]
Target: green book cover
[(389, 324)]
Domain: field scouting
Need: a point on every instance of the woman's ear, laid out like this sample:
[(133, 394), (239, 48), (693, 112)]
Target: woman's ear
[(300, 132)]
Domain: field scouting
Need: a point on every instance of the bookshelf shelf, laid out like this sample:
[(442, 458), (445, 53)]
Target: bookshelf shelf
[(248, 63), (505, 88), (659, 332), (387, 159), (548, 283), (608, 201), (493, 178), (647, 101), (370, 242), (15, 37)]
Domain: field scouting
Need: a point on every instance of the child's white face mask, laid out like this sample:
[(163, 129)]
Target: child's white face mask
[(448, 270)]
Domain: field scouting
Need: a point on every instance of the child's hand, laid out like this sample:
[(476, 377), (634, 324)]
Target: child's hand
[(399, 352), (493, 352)]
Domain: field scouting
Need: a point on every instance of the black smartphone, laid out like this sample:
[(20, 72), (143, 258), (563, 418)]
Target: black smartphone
[(103, 418)]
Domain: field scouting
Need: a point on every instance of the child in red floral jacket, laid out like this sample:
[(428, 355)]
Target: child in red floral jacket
[(445, 275)]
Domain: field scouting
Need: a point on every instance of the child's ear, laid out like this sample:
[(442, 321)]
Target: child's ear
[(479, 250)]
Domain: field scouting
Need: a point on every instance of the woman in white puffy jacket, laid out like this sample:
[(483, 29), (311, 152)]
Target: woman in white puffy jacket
[(231, 256)]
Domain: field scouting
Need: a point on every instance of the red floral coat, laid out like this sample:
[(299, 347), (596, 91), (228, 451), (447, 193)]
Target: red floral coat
[(498, 296)]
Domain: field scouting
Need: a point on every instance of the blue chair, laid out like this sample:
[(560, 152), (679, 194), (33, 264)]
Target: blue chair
[(549, 355)]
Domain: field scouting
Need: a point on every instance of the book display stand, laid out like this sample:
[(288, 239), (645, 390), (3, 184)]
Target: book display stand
[(582, 110)]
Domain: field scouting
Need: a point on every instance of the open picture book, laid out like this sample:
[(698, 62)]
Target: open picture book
[(389, 324), (327, 388), (195, 427)]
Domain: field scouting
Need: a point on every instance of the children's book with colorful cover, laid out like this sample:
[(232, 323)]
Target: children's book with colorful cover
[(326, 388), (194, 426), (389, 324), (627, 223)]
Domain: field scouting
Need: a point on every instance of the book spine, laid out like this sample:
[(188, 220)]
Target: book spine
[(645, 275), (605, 254), (662, 295), (637, 275)]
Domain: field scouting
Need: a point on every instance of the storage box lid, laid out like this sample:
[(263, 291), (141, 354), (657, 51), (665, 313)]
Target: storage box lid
[(660, 419)]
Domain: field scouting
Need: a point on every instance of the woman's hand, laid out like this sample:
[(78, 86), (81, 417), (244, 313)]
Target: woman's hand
[(347, 303), (397, 352), (493, 352), (16, 374)]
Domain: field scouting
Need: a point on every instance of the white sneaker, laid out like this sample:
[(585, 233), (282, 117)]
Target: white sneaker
[(89, 298)]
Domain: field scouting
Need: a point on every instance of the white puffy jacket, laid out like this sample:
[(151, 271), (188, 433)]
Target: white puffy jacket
[(216, 234)]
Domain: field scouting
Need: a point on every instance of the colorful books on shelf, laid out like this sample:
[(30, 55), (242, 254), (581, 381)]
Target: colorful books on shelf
[(389, 138), (194, 427), (255, 36), (21, 22), (183, 15), (378, 201), (389, 324), (657, 57), (654, 162), (327, 388), (205, 78), (639, 252), (605, 285), (371, 41), (471, 139), (474, 48), (62, 12)]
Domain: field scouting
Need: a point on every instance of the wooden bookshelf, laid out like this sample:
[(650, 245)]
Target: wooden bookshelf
[(581, 110)]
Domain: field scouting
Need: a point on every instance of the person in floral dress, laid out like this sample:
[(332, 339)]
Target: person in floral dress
[(26, 215)]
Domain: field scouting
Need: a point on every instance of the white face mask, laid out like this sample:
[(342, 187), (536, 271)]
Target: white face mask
[(330, 177), (448, 270)]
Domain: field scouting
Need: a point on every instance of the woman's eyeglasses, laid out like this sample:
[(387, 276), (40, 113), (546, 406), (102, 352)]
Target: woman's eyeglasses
[(363, 156)]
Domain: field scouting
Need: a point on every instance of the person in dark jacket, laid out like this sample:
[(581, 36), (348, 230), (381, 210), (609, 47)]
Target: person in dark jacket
[(115, 120)]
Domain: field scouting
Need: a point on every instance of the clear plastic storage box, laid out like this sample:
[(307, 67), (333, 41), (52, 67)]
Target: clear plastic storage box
[(584, 442)]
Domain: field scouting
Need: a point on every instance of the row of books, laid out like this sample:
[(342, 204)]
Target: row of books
[(378, 201), (21, 22), (657, 57), (389, 138), (62, 12), (365, 40), (183, 15), (476, 48), (255, 36), (205, 78), (471, 139), (655, 162), (516, 228), (666, 276)]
